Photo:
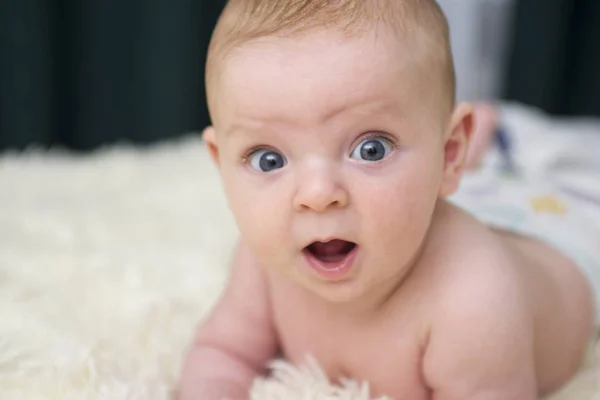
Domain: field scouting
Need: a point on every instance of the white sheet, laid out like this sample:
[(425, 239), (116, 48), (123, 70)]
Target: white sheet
[(565, 151)]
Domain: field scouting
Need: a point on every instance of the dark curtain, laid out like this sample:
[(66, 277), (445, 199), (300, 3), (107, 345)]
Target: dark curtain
[(555, 60), (83, 73)]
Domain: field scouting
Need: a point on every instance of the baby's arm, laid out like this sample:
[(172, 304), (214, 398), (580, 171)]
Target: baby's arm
[(236, 342), (481, 346)]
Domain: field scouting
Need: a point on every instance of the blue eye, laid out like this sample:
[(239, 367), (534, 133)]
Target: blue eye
[(266, 160), (372, 149)]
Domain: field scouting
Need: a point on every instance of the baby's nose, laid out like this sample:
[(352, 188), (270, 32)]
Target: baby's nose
[(319, 191)]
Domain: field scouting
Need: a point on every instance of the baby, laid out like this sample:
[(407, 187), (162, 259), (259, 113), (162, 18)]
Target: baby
[(340, 148)]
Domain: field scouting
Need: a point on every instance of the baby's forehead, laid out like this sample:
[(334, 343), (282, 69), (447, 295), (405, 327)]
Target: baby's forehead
[(317, 71), (319, 54), (321, 73)]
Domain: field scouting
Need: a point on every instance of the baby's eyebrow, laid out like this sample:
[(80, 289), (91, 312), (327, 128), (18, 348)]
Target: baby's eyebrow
[(233, 130), (245, 128), (363, 107), (237, 128), (261, 124)]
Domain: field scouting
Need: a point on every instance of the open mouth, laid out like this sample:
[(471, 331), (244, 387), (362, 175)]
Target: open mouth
[(331, 252), (332, 260)]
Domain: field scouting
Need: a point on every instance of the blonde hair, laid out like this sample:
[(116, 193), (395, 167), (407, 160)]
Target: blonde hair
[(420, 21)]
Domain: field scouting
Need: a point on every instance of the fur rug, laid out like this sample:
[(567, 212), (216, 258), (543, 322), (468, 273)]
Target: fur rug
[(107, 264)]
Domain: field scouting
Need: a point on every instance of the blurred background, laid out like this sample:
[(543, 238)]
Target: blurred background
[(87, 73)]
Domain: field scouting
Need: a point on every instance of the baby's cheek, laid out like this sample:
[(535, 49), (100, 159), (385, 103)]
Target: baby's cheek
[(402, 216), (260, 222)]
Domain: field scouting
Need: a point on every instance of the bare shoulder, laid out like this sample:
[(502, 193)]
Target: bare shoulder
[(473, 274), (469, 262), (480, 341), (478, 283)]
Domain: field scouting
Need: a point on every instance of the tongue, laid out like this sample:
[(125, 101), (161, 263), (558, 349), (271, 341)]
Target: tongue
[(332, 251)]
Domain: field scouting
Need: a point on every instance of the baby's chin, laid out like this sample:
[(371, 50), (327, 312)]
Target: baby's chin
[(367, 290), (338, 293), (352, 290)]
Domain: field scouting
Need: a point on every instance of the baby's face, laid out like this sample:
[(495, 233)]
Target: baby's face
[(331, 153)]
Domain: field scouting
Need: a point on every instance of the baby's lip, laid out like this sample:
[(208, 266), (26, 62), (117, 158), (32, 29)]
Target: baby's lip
[(327, 239)]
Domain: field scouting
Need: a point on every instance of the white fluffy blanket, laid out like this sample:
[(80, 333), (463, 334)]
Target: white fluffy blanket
[(107, 264)]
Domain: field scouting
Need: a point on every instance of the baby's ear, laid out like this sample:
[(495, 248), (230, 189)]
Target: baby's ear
[(208, 135), (456, 144)]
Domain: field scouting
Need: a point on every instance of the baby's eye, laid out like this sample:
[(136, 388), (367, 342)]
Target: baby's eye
[(266, 160), (372, 149)]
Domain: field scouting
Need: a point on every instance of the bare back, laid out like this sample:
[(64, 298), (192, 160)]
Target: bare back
[(562, 304)]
